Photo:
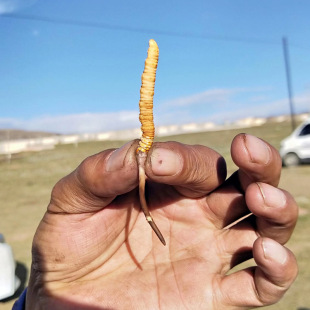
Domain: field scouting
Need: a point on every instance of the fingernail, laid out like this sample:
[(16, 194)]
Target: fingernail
[(274, 251), (273, 197), (116, 160), (258, 150), (165, 162)]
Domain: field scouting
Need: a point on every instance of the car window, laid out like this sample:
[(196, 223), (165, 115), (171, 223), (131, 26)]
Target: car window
[(305, 131)]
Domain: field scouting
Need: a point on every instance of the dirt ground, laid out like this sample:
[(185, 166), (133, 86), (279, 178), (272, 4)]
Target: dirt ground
[(26, 182)]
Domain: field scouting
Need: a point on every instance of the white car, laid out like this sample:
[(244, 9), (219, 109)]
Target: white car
[(295, 149)]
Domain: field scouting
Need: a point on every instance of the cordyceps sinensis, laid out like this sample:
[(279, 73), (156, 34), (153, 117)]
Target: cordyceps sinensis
[(147, 127)]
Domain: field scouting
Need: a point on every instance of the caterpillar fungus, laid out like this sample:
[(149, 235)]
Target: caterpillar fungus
[(147, 127)]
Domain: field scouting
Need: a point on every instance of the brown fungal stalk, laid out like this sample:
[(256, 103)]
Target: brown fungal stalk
[(147, 127)]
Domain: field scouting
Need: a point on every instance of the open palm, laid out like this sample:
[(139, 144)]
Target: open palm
[(94, 249)]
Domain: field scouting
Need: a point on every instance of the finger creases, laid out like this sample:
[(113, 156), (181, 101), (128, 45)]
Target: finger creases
[(264, 284), (194, 170), (276, 211), (97, 181)]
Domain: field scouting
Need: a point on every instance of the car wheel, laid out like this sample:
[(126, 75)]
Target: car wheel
[(290, 160)]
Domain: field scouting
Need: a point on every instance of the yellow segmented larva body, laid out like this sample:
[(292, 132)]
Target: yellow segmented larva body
[(147, 127), (146, 97)]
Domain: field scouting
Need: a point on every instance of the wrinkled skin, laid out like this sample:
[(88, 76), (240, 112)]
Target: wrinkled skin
[(94, 249)]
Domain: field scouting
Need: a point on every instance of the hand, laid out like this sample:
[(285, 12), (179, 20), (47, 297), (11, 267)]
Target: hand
[(94, 249)]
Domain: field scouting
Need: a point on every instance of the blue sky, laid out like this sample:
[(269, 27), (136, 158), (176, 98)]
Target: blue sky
[(75, 65)]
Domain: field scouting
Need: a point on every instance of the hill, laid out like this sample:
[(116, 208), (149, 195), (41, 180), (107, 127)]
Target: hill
[(15, 134)]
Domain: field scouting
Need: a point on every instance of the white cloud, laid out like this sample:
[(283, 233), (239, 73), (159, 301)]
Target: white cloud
[(212, 96), (264, 109), (222, 105), (208, 105), (227, 108), (215, 99), (10, 6), (76, 123)]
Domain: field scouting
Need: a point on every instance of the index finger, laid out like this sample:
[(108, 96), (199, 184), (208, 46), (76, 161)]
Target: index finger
[(194, 170)]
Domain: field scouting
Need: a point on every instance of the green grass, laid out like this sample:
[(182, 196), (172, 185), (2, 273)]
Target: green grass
[(27, 181)]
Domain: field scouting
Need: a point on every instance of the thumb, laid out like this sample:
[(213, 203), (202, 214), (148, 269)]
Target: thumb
[(97, 181)]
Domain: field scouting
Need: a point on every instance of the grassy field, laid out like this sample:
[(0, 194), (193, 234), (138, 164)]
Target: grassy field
[(27, 181)]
